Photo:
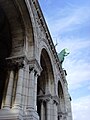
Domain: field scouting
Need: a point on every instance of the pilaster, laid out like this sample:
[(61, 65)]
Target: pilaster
[(30, 101), (55, 103), (18, 96), (35, 90), (31, 109)]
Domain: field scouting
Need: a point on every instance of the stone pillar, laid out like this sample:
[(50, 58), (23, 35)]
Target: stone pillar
[(48, 109), (35, 90), (25, 87), (42, 111), (45, 106), (30, 103), (31, 109), (17, 103), (8, 98), (55, 111), (55, 106)]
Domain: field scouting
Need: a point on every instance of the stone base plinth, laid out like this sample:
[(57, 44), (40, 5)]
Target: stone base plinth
[(11, 114), (14, 114), (31, 115)]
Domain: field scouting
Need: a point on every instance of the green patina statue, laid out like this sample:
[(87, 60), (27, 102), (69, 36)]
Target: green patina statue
[(62, 54)]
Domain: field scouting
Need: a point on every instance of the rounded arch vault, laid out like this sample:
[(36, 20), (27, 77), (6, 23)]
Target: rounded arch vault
[(20, 25)]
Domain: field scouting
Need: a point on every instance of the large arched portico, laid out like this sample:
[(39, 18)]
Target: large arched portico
[(16, 39), (28, 52), (11, 40)]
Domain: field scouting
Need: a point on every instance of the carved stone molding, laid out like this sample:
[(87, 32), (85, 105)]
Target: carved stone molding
[(44, 98), (34, 65), (16, 62), (55, 99), (62, 114), (31, 68), (47, 97), (63, 76)]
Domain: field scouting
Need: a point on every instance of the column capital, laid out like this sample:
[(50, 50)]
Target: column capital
[(32, 69), (44, 97), (62, 114), (16, 62), (34, 65), (55, 99)]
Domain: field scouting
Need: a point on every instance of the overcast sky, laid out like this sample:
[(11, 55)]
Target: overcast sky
[(69, 24)]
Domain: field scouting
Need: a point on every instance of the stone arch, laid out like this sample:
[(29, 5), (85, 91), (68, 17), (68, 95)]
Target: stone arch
[(20, 25), (16, 27), (61, 105), (16, 33), (45, 83)]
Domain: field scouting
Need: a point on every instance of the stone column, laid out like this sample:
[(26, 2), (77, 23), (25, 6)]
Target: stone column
[(48, 109), (55, 111), (25, 87), (35, 91), (17, 103), (30, 103), (42, 111), (9, 91), (45, 106)]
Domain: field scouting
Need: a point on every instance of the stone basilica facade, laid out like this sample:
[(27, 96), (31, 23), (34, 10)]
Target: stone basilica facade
[(33, 85)]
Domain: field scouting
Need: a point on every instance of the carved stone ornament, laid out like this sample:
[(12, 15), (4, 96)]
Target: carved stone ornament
[(44, 97), (16, 62), (55, 99), (62, 114), (34, 65)]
